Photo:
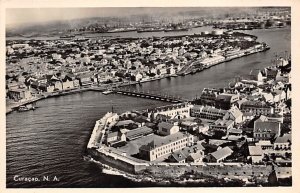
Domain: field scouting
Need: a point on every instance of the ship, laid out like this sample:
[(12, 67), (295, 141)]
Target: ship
[(175, 29), (150, 30), (118, 30)]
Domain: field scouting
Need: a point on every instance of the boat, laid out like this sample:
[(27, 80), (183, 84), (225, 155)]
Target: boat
[(119, 30), (107, 92), (28, 107), (266, 47), (175, 29), (194, 71)]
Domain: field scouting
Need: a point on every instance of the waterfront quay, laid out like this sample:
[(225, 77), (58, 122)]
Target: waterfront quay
[(242, 132)]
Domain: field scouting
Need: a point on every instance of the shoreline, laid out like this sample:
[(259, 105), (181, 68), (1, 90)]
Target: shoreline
[(88, 34), (115, 162), (13, 107), (174, 174), (106, 169)]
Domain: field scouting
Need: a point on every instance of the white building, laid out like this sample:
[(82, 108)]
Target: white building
[(179, 111)]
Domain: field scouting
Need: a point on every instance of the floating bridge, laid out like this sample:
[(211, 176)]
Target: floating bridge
[(148, 95)]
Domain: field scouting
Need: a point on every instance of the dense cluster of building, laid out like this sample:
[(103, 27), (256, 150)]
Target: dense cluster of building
[(258, 20), (37, 67), (278, 20), (247, 122)]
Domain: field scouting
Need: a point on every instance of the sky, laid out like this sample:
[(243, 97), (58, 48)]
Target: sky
[(19, 16)]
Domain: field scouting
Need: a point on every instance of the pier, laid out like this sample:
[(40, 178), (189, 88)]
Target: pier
[(148, 95)]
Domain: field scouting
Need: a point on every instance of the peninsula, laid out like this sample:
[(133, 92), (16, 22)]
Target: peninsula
[(239, 133)]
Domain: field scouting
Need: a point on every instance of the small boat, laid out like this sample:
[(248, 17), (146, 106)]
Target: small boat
[(28, 107), (194, 71), (111, 172), (107, 92)]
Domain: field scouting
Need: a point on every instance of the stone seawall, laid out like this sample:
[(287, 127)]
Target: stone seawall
[(115, 162), (220, 171), (173, 170)]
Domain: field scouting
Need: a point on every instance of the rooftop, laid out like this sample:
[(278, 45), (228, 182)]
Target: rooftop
[(267, 126), (192, 151), (209, 109), (258, 104), (222, 153), (284, 139), (255, 150), (225, 97), (222, 122), (165, 125), (160, 141), (125, 122), (263, 143), (144, 130)]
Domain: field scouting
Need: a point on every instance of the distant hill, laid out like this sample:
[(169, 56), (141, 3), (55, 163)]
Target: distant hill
[(166, 14)]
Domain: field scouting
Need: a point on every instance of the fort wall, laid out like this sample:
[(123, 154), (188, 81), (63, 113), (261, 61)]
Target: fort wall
[(173, 170)]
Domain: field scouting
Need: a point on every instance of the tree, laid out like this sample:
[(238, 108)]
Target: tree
[(273, 156), (265, 158), (198, 120), (272, 179), (24, 73), (288, 155), (152, 74)]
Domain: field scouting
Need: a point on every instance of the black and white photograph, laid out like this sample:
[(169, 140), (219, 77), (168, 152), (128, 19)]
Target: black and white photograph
[(144, 97)]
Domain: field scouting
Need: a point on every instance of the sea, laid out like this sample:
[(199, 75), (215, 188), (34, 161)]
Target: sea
[(50, 142)]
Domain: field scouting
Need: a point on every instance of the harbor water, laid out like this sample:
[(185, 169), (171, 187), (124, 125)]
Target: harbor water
[(51, 140)]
